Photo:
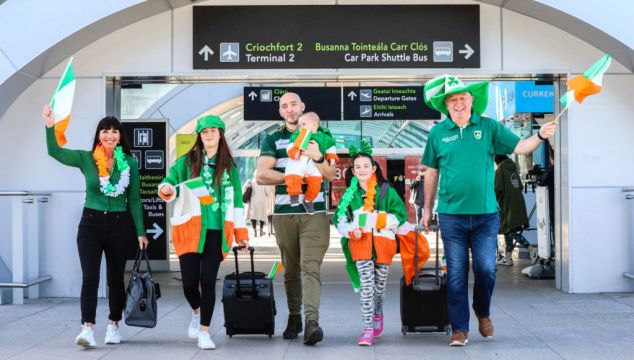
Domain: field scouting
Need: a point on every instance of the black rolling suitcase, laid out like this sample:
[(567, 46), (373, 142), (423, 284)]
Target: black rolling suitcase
[(248, 301), (424, 301)]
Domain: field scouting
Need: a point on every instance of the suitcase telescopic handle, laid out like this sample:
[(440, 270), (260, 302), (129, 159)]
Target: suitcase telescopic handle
[(235, 254), (417, 229)]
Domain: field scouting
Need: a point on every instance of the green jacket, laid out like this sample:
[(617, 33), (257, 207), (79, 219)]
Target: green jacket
[(508, 191), (130, 200), (180, 172), (391, 203)]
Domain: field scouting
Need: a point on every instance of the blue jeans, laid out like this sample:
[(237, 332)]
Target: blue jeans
[(459, 233)]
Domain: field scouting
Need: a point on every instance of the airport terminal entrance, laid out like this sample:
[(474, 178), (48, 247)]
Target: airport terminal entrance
[(363, 74), (397, 124)]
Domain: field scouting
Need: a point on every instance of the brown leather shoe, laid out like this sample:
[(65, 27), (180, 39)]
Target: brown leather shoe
[(485, 327), (459, 338)]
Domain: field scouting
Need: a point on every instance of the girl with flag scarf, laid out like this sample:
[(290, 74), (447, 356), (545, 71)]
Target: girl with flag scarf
[(369, 217), (111, 219), (204, 232)]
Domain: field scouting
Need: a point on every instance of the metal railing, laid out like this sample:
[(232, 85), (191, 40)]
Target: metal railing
[(629, 195), (27, 231)]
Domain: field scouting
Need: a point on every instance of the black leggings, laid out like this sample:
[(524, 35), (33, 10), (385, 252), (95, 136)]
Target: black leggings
[(111, 233), (202, 269)]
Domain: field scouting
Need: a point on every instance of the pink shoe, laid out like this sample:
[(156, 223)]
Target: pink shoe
[(366, 337), (377, 325)]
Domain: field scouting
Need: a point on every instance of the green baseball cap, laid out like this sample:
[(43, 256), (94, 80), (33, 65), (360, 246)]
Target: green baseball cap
[(209, 121), (437, 89)]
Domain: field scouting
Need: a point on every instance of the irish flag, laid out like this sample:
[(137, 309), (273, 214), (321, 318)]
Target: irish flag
[(197, 187), (277, 267), (373, 220), (62, 102), (303, 139), (586, 84)]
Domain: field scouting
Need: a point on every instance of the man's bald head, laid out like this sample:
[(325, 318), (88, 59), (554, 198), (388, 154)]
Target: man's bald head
[(290, 96)]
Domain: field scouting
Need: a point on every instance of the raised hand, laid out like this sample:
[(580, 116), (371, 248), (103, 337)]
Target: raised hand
[(48, 116), (548, 129)]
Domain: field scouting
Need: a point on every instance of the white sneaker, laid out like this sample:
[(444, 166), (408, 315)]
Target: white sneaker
[(194, 326), (113, 336), (86, 338), (204, 341)]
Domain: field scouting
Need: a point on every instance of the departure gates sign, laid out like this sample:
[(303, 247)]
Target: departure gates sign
[(332, 36)]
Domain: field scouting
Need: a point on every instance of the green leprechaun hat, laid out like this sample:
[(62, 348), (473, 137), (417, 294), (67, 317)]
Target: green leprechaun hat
[(437, 89)]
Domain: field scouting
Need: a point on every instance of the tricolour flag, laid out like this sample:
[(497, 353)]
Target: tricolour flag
[(62, 102), (586, 84), (197, 187), (276, 268), (373, 220), (303, 139)]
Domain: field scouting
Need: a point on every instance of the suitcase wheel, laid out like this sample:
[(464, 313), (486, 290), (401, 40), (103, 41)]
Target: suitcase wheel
[(447, 330), (270, 336), (404, 330)]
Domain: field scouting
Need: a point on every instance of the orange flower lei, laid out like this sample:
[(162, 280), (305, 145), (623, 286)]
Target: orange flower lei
[(107, 188), (102, 163), (368, 202)]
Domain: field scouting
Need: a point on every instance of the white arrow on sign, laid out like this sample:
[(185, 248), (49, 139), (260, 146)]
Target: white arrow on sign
[(352, 95), (157, 231), (206, 51), (467, 50), (252, 95)]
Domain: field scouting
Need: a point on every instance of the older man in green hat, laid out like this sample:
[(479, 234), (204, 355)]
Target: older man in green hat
[(462, 148)]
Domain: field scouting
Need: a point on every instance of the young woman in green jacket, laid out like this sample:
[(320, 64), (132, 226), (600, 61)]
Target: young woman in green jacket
[(111, 219), (207, 231)]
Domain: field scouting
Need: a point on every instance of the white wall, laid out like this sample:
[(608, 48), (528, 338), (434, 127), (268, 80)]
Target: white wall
[(36, 21), (601, 149), (608, 15), (162, 45), (533, 45)]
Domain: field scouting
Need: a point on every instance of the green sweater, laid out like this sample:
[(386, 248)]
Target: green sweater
[(130, 200)]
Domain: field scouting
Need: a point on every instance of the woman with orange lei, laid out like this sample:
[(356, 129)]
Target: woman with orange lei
[(112, 218), (368, 217)]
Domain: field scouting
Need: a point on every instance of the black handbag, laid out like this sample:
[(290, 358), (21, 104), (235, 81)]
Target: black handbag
[(141, 294), (246, 195)]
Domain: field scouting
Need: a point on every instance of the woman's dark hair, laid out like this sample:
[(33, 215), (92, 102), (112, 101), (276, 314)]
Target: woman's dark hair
[(108, 123), (380, 179), (224, 159)]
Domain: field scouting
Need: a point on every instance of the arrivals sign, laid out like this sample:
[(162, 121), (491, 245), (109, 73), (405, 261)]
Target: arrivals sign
[(386, 103), (333, 36), (148, 140)]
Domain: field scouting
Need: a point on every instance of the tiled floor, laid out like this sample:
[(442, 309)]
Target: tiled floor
[(533, 320)]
